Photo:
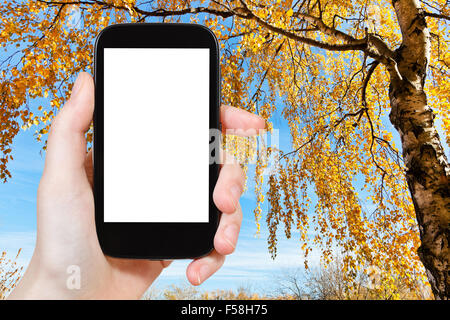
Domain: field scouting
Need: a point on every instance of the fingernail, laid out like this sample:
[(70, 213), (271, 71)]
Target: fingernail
[(230, 234), (235, 195), (203, 273), (77, 85)]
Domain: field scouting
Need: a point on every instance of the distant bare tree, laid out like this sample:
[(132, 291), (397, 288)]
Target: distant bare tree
[(291, 283), (330, 283)]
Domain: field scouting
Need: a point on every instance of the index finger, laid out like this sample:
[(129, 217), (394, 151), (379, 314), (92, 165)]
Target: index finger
[(238, 119)]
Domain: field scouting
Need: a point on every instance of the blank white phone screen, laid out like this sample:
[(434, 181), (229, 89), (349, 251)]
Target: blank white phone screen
[(156, 134)]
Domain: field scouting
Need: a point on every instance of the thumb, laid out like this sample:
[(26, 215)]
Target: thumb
[(66, 144)]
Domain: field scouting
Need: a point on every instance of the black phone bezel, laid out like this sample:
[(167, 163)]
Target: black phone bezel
[(154, 240)]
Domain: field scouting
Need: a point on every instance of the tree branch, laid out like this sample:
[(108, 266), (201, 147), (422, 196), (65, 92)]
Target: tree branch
[(355, 45), (318, 22), (436, 15), (366, 82), (372, 130), (155, 13), (372, 46), (265, 73)]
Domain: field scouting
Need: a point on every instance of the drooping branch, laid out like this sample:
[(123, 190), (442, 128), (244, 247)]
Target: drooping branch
[(255, 95)]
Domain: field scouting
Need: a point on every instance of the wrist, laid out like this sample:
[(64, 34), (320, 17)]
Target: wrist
[(42, 283)]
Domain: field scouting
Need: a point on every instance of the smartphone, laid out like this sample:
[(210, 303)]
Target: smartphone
[(157, 99)]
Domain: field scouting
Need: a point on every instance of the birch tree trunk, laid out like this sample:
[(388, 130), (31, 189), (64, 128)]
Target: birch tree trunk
[(428, 171)]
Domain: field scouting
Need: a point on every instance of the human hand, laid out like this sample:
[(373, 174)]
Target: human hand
[(66, 234)]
